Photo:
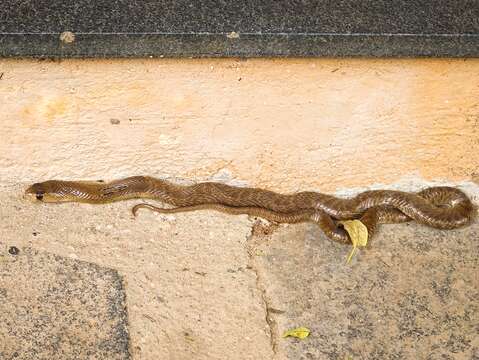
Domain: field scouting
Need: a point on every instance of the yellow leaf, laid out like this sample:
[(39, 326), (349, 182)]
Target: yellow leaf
[(299, 333), (358, 232)]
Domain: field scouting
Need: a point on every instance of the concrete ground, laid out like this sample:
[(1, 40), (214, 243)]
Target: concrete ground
[(81, 281)]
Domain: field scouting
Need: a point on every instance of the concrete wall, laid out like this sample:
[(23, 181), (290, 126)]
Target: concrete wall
[(294, 124)]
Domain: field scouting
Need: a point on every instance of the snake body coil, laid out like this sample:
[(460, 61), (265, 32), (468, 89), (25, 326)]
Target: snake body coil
[(439, 207)]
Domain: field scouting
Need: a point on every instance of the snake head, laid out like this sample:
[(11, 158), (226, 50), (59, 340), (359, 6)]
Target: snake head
[(47, 191)]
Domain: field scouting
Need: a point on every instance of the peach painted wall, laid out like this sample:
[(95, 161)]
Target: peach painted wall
[(285, 124)]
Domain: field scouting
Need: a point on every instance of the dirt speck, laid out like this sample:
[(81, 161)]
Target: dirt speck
[(232, 35), (262, 228), (67, 37)]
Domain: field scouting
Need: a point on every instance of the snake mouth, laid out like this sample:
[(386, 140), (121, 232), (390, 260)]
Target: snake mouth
[(39, 196)]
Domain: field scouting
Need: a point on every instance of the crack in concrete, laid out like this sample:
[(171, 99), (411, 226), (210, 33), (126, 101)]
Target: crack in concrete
[(272, 326)]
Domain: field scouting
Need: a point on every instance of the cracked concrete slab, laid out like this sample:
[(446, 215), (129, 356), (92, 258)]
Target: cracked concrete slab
[(207, 285), (52, 307), (411, 295)]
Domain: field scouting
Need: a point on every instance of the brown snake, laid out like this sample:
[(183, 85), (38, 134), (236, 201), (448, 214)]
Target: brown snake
[(440, 207)]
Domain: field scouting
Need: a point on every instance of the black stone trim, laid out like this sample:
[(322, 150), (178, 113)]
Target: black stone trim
[(246, 45), (241, 28)]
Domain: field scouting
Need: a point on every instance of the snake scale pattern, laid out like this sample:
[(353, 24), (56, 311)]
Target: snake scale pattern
[(440, 207)]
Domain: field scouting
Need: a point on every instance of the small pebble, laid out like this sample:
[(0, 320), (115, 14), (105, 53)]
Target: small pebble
[(13, 250)]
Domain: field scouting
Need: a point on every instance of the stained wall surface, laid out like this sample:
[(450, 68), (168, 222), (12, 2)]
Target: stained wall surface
[(283, 124)]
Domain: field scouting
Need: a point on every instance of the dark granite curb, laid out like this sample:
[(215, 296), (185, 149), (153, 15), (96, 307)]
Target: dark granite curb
[(269, 28)]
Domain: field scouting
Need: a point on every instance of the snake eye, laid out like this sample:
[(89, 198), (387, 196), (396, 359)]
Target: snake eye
[(39, 196)]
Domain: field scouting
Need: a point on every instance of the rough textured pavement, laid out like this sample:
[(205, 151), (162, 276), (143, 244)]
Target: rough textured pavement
[(412, 295), (211, 286), (54, 307)]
